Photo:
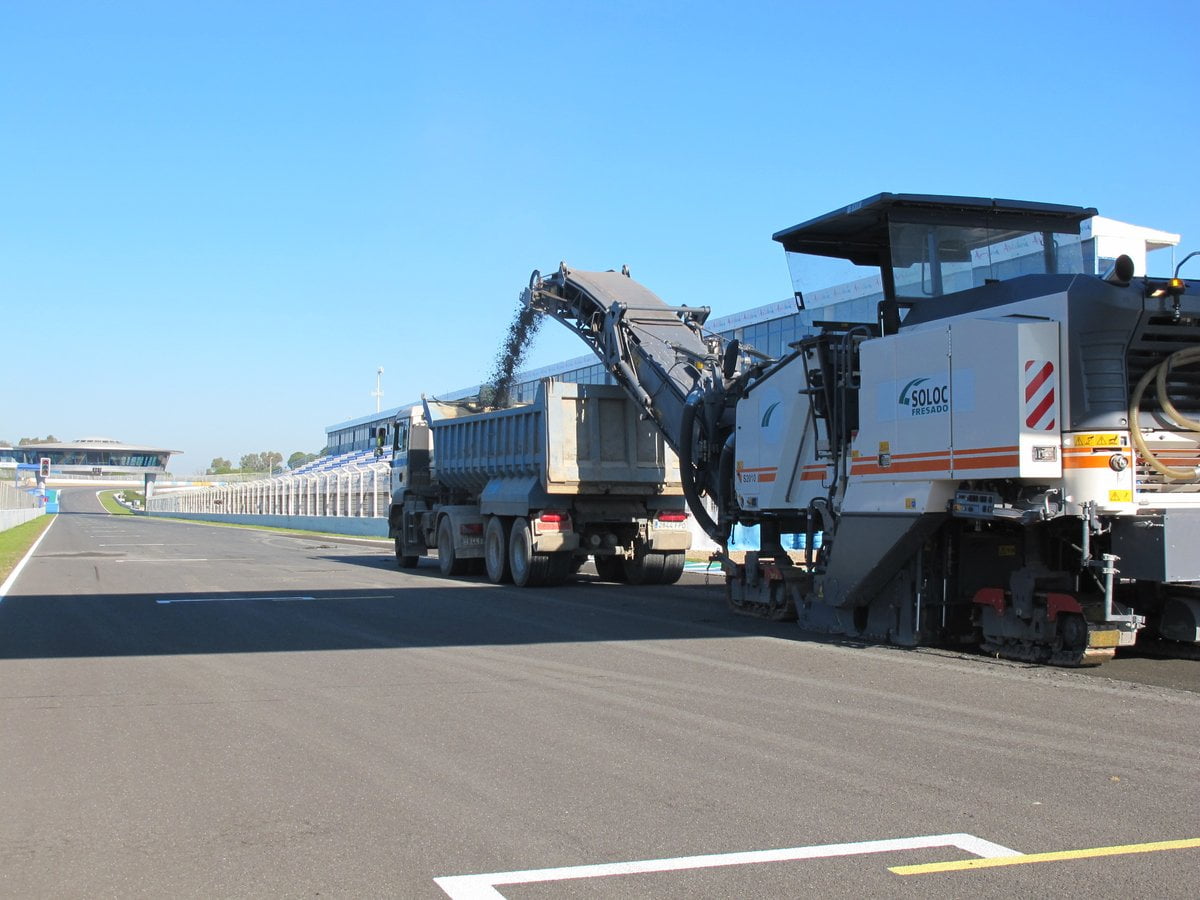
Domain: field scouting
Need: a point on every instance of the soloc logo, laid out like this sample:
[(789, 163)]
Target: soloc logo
[(924, 399), (766, 419)]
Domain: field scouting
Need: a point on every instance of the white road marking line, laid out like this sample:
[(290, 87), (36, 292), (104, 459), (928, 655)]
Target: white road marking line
[(12, 576), (272, 599), (483, 887)]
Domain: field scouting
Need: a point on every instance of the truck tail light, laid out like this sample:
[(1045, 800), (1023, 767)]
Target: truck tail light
[(671, 515), (471, 529), (553, 520)]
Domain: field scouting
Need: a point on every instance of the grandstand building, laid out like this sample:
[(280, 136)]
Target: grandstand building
[(771, 328), (94, 456)]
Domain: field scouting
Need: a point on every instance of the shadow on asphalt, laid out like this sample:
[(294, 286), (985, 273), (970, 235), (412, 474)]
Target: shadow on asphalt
[(386, 563), (422, 609), (433, 612), (426, 611)]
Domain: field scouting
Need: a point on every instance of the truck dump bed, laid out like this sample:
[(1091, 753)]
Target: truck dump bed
[(572, 439)]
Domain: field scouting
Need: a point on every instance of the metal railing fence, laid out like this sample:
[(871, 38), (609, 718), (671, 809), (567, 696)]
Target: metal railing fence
[(352, 491)]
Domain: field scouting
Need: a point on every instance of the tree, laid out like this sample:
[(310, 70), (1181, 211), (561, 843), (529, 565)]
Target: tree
[(300, 458), (220, 466), (267, 461), (48, 439)]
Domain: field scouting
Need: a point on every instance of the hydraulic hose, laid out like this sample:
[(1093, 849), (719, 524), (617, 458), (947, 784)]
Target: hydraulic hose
[(687, 469), (725, 487), (1158, 374)]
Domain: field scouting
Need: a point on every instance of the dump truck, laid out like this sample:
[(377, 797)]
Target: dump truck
[(526, 494), (1001, 447)]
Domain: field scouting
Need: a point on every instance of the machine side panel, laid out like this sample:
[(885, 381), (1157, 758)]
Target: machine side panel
[(1159, 548), (1007, 420), (904, 418), (775, 465), (854, 576), (895, 497)]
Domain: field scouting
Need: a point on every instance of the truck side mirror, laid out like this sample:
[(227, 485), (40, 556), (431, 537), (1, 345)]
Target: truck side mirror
[(729, 359)]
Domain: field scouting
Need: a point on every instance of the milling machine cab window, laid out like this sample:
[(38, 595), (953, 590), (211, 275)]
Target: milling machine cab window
[(929, 259), (925, 246)]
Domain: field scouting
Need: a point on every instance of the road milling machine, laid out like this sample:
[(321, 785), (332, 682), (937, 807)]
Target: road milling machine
[(1005, 450)]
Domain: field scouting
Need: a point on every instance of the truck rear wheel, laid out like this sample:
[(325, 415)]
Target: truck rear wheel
[(558, 567), (529, 569), (653, 567), (495, 551), (448, 560), (405, 560), (672, 567)]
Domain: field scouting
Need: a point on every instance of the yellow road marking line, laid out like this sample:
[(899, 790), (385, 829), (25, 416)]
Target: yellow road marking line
[(959, 865)]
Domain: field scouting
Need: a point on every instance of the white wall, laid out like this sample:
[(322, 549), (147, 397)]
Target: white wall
[(10, 518)]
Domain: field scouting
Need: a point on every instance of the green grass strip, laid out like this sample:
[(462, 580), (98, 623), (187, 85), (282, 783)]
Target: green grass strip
[(15, 542), (108, 499)]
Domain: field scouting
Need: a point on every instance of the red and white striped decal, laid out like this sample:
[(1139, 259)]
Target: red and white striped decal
[(1041, 407)]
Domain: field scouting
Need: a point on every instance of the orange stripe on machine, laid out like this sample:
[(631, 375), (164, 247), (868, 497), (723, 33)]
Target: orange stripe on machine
[(1085, 459), (939, 461)]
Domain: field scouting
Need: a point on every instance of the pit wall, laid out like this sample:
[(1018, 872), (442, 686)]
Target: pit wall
[(357, 527), (11, 518)]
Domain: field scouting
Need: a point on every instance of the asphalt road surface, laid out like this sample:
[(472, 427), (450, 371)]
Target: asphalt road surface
[(191, 711)]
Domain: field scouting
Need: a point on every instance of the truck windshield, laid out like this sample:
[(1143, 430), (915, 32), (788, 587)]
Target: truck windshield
[(931, 259)]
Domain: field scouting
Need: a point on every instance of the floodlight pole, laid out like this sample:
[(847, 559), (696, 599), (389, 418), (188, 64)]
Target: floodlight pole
[(378, 392)]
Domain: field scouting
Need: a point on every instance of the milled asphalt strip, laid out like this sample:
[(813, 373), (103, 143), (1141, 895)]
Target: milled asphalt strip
[(11, 579)]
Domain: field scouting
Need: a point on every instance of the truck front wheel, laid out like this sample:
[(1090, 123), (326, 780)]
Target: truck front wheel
[(495, 551)]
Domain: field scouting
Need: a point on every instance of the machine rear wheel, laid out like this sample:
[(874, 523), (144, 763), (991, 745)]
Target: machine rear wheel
[(495, 551), (1073, 630), (448, 560)]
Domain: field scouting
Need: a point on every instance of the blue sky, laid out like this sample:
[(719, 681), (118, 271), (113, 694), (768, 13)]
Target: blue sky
[(218, 219)]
